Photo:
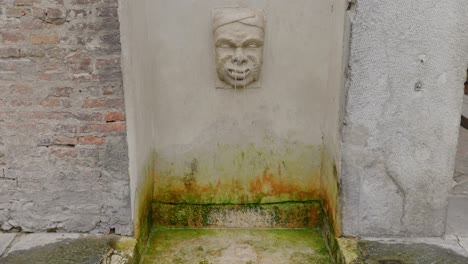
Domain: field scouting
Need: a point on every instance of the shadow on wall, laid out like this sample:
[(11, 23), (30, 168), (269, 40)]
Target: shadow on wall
[(464, 117)]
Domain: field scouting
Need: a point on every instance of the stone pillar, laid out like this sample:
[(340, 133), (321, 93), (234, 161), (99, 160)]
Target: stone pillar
[(406, 72)]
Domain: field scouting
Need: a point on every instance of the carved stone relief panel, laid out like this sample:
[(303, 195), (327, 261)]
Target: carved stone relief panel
[(238, 35)]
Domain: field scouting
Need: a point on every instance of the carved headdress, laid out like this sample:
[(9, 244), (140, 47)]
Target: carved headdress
[(224, 16)]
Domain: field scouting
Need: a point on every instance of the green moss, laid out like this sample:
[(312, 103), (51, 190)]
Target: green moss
[(329, 182), (211, 246), (349, 250), (240, 174), (143, 214), (286, 215)]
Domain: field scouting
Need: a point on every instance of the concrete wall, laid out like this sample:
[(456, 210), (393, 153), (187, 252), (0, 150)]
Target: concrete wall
[(252, 145), (63, 150), (407, 68)]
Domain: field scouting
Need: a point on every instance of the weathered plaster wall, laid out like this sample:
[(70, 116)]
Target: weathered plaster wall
[(230, 146), (63, 150), (139, 92), (333, 111), (407, 68), (244, 145)]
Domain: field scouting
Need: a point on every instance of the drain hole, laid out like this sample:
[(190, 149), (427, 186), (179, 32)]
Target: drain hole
[(390, 262)]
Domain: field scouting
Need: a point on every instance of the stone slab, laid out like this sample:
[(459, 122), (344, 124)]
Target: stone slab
[(463, 242), (277, 215), (29, 241), (82, 250), (446, 242), (5, 241), (395, 252), (457, 216)]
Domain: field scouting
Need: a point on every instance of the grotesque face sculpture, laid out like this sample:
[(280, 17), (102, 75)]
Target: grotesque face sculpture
[(238, 36)]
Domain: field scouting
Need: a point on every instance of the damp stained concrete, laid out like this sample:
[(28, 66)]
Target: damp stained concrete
[(374, 252), (235, 246)]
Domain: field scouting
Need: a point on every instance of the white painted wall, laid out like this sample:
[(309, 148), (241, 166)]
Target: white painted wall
[(169, 75)]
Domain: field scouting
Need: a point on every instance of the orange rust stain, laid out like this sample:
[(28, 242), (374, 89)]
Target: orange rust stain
[(267, 184), (330, 208)]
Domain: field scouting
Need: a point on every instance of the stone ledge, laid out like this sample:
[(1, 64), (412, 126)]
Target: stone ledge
[(278, 215)]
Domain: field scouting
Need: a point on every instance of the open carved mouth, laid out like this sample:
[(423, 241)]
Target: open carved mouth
[(238, 74)]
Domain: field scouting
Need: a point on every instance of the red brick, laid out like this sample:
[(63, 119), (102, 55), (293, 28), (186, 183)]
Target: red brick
[(48, 115), (50, 102), (89, 117), (91, 140), (24, 2), (32, 52), (62, 128), (10, 37), (18, 12), (108, 69), (60, 91), (21, 89), (22, 102), (79, 62), (115, 116), (103, 128), (107, 103), (107, 11), (10, 52), (84, 2), (64, 152), (58, 141), (64, 140), (44, 39), (55, 16)]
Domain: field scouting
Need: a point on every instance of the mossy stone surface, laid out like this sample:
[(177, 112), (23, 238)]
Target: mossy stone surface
[(253, 246), (283, 215)]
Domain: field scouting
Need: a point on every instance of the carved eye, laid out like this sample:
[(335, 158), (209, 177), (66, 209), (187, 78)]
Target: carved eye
[(253, 44), (224, 44)]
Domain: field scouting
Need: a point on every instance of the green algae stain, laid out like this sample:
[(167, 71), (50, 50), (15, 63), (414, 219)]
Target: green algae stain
[(349, 250), (329, 183), (240, 174), (236, 246), (283, 215), (143, 210)]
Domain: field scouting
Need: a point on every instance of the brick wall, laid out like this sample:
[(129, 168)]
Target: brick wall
[(63, 152)]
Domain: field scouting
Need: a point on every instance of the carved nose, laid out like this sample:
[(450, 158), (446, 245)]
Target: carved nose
[(239, 58)]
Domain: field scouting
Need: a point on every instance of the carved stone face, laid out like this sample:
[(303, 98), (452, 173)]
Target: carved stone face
[(239, 53)]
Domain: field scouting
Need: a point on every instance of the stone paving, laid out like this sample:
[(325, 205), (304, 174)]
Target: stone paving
[(64, 248), (226, 246), (378, 252)]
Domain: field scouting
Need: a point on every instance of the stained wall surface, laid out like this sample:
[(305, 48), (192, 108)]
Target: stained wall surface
[(63, 149), (232, 145), (407, 68)]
